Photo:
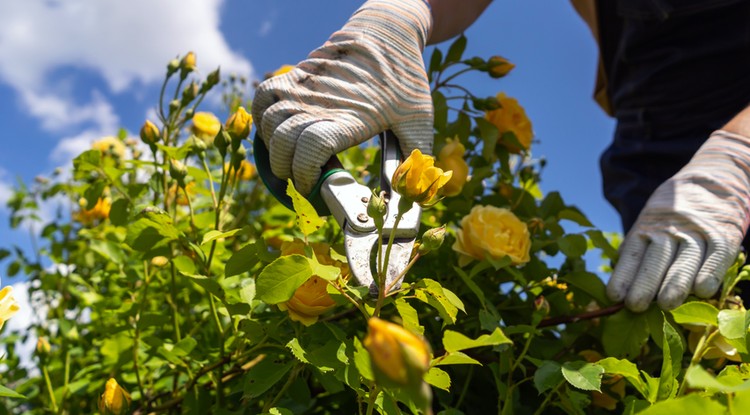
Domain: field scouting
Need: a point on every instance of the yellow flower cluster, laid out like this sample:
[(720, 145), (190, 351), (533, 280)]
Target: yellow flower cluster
[(451, 158), (8, 305), (99, 211), (311, 299), (418, 180), (511, 117), (492, 232), (398, 356), (110, 146)]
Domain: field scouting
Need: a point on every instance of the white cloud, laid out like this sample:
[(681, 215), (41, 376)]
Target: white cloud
[(126, 43), (6, 188)]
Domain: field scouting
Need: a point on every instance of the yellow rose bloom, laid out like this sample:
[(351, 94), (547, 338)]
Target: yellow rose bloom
[(282, 70), (8, 305), (511, 117), (492, 232), (110, 146), (311, 299), (397, 355), (205, 126), (239, 123), (115, 400), (100, 211), (245, 173), (417, 179), (451, 158)]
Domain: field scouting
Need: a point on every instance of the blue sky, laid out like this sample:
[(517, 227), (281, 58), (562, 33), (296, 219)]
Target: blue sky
[(73, 71)]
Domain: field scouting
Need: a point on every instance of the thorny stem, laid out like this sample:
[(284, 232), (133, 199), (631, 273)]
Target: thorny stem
[(547, 398), (383, 272), (351, 300), (554, 321), (374, 392)]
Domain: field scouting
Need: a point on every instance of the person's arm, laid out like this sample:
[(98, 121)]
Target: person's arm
[(451, 17), (692, 227), (367, 78)]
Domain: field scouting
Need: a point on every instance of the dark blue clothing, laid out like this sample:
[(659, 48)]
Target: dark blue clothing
[(677, 70)]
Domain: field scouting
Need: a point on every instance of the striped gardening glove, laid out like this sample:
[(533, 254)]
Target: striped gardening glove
[(367, 78), (690, 231)]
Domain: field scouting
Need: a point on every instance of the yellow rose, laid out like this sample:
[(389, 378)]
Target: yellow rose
[(418, 180), (451, 158), (311, 299), (246, 171), (205, 126), (176, 194), (115, 400), (110, 146), (511, 117), (239, 123), (492, 232), (149, 133), (499, 66), (100, 211), (398, 356), (8, 305), (282, 70), (187, 64)]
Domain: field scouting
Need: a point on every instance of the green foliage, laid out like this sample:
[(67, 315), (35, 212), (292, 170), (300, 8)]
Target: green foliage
[(194, 289)]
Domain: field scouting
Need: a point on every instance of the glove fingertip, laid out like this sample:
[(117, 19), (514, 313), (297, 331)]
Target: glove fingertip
[(637, 304), (671, 298)]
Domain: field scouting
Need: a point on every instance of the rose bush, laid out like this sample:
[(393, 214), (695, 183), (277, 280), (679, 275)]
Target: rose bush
[(170, 281)]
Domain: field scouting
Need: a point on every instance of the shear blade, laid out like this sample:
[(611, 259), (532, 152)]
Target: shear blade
[(359, 251)]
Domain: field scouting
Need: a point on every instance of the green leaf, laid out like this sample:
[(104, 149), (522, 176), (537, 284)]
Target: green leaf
[(308, 220), (626, 369), (10, 393), (109, 250), (214, 234), (297, 350), (671, 362), (573, 245), (489, 134), (454, 358), (697, 377), (548, 376), (692, 404), (583, 375), (184, 264), (625, 333), (261, 377), (242, 261), (152, 229), (441, 299), (456, 50), (278, 281), (409, 316), (209, 284), (589, 283), (440, 106), (438, 378), (454, 341), (732, 324), (435, 60), (327, 272), (362, 360), (600, 241), (696, 312), (574, 215), (471, 284), (119, 213)]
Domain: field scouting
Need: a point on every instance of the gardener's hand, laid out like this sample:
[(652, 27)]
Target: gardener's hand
[(690, 231), (368, 77)]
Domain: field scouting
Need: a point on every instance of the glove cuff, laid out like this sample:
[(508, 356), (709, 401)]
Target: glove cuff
[(395, 20)]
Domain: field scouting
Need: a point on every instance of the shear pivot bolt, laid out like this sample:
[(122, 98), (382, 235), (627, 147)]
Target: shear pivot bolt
[(365, 199), (362, 217)]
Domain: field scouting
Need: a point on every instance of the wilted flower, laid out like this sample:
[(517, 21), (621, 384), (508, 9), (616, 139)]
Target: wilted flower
[(311, 299), (8, 305), (99, 211), (110, 146), (418, 180), (115, 400), (499, 66), (511, 117), (451, 158), (238, 124), (282, 70), (398, 356), (205, 126), (492, 232)]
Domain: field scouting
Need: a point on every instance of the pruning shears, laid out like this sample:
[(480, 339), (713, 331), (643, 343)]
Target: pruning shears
[(337, 193)]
